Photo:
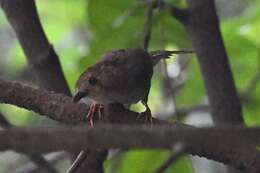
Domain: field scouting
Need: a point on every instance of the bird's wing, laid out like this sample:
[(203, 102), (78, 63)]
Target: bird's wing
[(112, 72)]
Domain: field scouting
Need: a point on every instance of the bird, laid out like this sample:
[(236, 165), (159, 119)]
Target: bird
[(120, 76)]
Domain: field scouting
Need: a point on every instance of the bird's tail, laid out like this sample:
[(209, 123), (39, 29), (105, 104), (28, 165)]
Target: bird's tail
[(163, 54)]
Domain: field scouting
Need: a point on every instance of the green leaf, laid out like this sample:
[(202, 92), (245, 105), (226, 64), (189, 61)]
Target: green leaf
[(142, 161)]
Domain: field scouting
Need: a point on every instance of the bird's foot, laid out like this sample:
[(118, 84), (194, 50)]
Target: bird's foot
[(147, 113), (148, 116), (94, 108)]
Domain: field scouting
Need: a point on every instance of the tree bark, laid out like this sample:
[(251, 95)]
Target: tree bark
[(199, 141), (203, 27), (40, 54)]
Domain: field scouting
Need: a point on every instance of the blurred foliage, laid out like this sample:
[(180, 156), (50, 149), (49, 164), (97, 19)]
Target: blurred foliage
[(241, 39), (82, 31), (146, 161)]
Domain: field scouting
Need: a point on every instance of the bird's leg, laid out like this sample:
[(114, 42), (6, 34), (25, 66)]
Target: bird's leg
[(100, 109), (94, 107), (91, 113), (147, 112)]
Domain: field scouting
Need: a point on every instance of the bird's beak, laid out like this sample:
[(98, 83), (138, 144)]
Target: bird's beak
[(79, 95)]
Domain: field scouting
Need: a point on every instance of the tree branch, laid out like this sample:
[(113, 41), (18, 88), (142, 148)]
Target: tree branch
[(56, 106), (199, 141), (23, 17), (250, 87), (60, 107), (148, 25), (182, 15), (78, 161), (232, 113), (203, 27), (36, 158), (179, 150)]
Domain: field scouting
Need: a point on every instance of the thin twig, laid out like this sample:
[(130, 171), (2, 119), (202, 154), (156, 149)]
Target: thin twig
[(167, 79), (179, 150), (78, 161), (179, 147), (171, 89), (251, 85), (148, 25)]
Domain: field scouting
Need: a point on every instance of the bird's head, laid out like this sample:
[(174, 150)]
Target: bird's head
[(92, 81), (88, 85)]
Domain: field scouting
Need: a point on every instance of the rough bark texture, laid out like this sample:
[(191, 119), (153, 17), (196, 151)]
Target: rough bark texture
[(60, 107), (41, 163), (203, 27), (201, 22), (201, 141), (40, 54)]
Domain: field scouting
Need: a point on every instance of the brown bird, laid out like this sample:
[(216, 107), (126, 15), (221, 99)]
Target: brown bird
[(121, 76)]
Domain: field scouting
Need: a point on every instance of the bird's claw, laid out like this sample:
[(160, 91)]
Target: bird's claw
[(147, 113), (92, 111), (148, 118)]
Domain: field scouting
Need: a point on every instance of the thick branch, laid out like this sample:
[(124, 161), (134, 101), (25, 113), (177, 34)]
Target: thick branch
[(40, 54), (203, 27), (56, 106), (200, 142), (37, 159), (60, 107)]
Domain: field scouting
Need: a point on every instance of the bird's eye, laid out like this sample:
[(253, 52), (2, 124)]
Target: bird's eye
[(92, 81)]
